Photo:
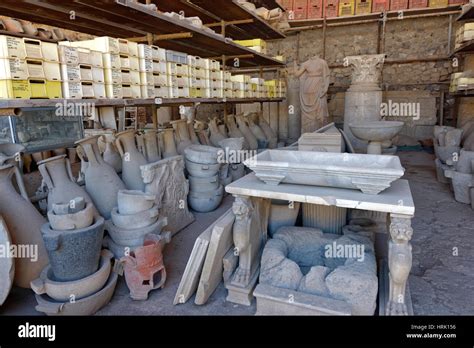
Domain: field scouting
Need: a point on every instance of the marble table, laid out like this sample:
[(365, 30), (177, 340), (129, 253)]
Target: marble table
[(396, 201)]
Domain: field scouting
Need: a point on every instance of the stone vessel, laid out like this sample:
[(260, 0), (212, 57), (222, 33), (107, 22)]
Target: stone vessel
[(364, 96), (376, 133), (132, 159), (215, 134), (74, 254), (102, 181), (169, 145), (24, 223), (247, 133), (182, 135), (56, 172), (111, 155), (151, 148)]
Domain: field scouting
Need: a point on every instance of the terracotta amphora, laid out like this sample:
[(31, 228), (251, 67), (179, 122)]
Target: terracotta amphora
[(169, 145), (102, 181), (132, 159), (24, 224)]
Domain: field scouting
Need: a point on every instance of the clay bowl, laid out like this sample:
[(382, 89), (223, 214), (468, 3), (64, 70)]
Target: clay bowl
[(202, 170), (75, 221), (133, 237), (134, 201), (376, 130), (204, 202), (62, 291), (86, 306), (133, 221), (117, 249), (207, 184), (202, 154)]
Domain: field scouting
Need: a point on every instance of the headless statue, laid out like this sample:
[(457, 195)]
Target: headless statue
[(314, 78)]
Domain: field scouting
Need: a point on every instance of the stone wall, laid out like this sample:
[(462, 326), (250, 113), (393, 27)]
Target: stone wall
[(405, 39)]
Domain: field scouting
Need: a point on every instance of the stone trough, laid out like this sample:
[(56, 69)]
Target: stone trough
[(307, 272)]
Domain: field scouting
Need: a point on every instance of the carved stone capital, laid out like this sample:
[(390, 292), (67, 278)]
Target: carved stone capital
[(366, 69)]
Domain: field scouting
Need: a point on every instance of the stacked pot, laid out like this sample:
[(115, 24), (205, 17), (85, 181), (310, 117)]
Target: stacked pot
[(205, 189), (135, 216), (462, 177), (79, 279), (233, 148)]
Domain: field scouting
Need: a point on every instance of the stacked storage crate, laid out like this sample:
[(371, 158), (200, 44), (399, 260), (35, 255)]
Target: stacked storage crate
[(241, 86), (271, 88), (82, 72), (153, 72), (29, 68), (257, 85), (257, 45), (363, 7), (346, 8), (199, 84), (178, 74), (130, 69), (215, 79), (228, 85)]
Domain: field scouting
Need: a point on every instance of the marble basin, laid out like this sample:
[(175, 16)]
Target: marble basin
[(376, 132), (369, 173)]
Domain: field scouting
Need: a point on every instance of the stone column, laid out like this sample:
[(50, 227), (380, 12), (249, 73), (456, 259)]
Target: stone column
[(399, 262), (329, 219), (294, 109), (364, 97)]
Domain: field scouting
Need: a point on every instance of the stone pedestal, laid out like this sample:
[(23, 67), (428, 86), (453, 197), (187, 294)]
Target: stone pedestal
[(364, 97), (327, 218), (242, 294)]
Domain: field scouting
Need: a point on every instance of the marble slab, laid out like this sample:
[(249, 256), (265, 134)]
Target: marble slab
[(396, 199)]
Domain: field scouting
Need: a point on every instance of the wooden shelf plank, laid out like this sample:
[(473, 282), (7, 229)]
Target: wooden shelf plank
[(466, 93), (466, 47), (125, 18), (467, 13), (48, 103)]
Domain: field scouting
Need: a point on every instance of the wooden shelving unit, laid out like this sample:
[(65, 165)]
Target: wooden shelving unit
[(467, 13)]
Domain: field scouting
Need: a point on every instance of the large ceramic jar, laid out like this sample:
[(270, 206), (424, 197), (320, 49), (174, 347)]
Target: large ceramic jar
[(215, 134), (150, 146), (169, 145), (102, 181), (111, 155), (57, 174), (24, 223), (182, 135), (248, 135), (132, 159)]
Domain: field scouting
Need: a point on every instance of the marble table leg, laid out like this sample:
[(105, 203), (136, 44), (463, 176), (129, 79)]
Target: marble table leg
[(399, 262)]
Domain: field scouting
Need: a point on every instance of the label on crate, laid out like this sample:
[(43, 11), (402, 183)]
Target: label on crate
[(69, 55), (74, 88), (73, 73), (18, 69)]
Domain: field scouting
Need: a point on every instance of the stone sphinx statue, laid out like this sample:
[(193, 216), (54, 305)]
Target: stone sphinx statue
[(314, 78)]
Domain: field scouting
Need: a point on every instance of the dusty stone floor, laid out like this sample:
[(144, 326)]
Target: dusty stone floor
[(441, 283)]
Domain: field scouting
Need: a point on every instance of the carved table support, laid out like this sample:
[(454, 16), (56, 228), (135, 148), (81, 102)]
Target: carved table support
[(399, 262)]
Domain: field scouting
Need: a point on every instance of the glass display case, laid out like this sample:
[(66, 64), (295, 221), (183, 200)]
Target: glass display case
[(41, 129)]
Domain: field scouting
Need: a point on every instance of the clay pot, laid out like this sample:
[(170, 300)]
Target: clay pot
[(256, 130), (102, 181), (169, 145), (464, 164), (133, 237), (62, 291), (226, 180), (132, 201), (237, 171), (223, 130), (74, 254), (202, 170), (133, 221), (183, 139), (72, 155), (132, 159), (144, 267), (24, 223), (75, 221), (11, 154), (268, 131), (56, 173), (58, 34), (247, 133), (111, 155), (205, 202), (75, 206), (150, 146), (28, 28), (203, 184), (281, 214), (86, 306), (13, 25), (202, 154), (461, 183), (192, 134), (44, 34), (215, 136), (118, 250)]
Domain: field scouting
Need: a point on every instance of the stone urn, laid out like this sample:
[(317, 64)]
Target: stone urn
[(132, 159), (215, 134), (247, 133), (183, 140), (169, 145), (57, 174), (102, 181), (234, 131), (74, 254), (144, 267), (24, 223), (268, 131), (111, 155), (258, 132)]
